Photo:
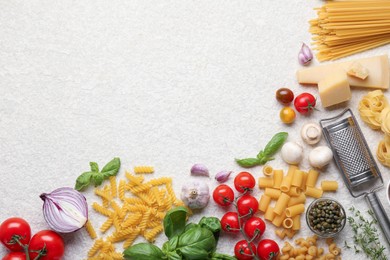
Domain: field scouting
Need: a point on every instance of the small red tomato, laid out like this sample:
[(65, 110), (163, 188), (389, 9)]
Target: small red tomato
[(50, 242), (243, 252), (267, 249), (15, 256), (254, 228), (244, 181), (305, 103), (223, 195), (247, 205), (229, 222), (15, 228), (284, 96)]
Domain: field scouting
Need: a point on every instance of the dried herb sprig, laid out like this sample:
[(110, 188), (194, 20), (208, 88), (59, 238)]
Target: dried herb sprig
[(366, 238)]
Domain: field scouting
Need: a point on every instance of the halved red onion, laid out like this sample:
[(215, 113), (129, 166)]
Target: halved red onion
[(65, 209)]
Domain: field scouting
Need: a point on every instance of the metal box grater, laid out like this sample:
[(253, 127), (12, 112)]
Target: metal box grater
[(355, 162)]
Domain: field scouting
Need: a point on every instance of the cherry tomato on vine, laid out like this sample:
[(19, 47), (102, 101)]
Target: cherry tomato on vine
[(223, 195), (15, 228), (247, 205), (267, 249), (254, 228), (50, 242), (287, 115), (15, 256), (305, 103), (284, 96), (244, 181), (243, 252), (229, 222)]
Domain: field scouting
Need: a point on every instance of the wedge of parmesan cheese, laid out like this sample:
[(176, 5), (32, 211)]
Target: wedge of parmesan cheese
[(378, 67), (334, 89)]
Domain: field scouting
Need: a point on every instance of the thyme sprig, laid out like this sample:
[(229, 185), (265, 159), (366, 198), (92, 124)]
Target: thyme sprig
[(366, 238)]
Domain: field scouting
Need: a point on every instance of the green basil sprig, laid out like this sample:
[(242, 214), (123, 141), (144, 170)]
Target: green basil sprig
[(186, 241), (97, 177), (265, 155)]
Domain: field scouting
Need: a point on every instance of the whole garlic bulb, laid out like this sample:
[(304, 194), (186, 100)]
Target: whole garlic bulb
[(320, 156), (195, 194), (292, 152)]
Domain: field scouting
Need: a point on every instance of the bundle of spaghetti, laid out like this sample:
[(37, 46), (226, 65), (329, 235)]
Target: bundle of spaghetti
[(343, 28), (133, 208)]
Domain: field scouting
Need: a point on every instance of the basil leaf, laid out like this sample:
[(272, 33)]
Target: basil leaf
[(175, 221), (189, 226), (170, 245), (274, 145), (94, 167), (144, 251), (97, 178), (112, 167), (248, 162), (196, 243), (174, 256), (218, 256), (83, 181), (213, 224)]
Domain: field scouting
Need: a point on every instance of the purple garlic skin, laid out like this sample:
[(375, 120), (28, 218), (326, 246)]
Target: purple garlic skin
[(199, 170), (222, 176), (305, 55)]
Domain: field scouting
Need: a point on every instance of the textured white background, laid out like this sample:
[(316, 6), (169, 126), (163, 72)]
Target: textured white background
[(166, 83)]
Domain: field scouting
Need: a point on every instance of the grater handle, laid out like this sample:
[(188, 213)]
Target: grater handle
[(380, 214)]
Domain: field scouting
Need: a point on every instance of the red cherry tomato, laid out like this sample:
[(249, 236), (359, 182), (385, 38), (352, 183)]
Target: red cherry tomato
[(49, 241), (229, 222), (305, 103), (15, 228), (15, 256), (284, 96), (254, 227), (247, 205), (243, 252), (223, 195), (267, 249), (244, 181)]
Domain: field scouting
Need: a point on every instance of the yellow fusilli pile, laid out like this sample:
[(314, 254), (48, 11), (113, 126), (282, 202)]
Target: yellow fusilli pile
[(139, 211)]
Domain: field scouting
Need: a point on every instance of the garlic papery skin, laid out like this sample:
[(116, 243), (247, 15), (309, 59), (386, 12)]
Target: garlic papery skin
[(292, 152), (195, 194), (222, 176), (199, 170), (320, 156), (305, 55)]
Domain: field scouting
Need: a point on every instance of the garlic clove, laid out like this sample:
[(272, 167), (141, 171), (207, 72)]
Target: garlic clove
[(311, 133), (222, 176), (199, 169), (305, 55)]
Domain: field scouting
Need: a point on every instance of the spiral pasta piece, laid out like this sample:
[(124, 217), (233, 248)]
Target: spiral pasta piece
[(370, 108)]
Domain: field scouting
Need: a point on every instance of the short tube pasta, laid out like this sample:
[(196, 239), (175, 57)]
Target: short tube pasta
[(329, 185), (304, 179), (266, 182), (291, 170), (278, 219), (295, 210), (294, 191), (297, 200), (296, 222), (297, 178), (264, 202), (269, 214), (273, 193), (286, 183), (287, 223), (281, 203), (268, 170), (278, 178), (313, 192), (312, 178)]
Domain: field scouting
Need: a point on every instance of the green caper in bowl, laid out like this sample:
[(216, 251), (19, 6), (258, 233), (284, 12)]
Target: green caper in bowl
[(325, 217)]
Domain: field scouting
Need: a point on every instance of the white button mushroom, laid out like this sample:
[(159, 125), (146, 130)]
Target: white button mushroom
[(320, 156), (311, 133), (195, 194), (292, 152)]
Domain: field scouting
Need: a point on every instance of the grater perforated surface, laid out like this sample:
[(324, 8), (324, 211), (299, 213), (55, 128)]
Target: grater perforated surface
[(353, 155)]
